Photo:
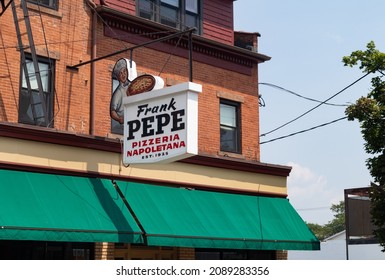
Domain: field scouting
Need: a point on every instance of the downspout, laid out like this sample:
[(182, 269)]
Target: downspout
[(92, 5)]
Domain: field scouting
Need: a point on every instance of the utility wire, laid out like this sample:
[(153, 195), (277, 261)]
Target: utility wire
[(170, 54), (312, 109), (301, 96), (145, 34), (117, 37), (302, 131)]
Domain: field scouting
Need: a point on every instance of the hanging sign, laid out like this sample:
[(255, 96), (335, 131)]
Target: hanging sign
[(161, 125)]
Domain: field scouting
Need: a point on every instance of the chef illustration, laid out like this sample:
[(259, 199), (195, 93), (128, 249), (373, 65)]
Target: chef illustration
[(124, 75)]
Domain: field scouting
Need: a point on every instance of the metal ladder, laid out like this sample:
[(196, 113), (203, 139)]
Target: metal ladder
[(38, 104)]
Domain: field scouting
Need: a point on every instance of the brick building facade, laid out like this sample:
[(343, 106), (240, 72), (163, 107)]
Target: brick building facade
[(78, 144)]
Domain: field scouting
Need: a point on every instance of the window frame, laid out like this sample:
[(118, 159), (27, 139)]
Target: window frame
[(182, 13), (237, 129), (176, 9), (48, 93), (54, 4)]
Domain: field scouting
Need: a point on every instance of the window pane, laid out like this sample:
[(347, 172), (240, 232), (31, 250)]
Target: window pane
[(169, 16), (228, 115), (230, 130), (174, 13), (192, 21), (146, 9), (229, 139), (192, 6), (25, 108), (174, 3), (31, 110), (237, 255), (48, 3), (207, 255), (44, 73)]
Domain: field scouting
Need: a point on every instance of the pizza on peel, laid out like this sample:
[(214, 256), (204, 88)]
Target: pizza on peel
[(141, 84)]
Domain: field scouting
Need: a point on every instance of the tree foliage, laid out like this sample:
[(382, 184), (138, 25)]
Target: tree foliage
[(370, 113), (332, 227)]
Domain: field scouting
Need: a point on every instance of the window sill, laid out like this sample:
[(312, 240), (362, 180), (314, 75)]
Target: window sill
[(45, 10), (231, 155)]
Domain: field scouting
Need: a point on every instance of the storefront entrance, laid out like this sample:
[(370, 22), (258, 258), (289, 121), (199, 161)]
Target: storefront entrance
[(40, 250)]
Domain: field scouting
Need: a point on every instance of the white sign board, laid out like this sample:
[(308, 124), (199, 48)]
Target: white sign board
[(161, 125)]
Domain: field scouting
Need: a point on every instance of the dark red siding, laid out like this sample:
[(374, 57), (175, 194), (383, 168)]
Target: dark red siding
[(218, 22), (127, 6)]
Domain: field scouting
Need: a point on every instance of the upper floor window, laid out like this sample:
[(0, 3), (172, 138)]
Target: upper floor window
[(179, 14), (53, 4), (33, 108), (230, 126)]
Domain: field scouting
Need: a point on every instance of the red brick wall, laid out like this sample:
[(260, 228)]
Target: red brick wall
[(72, 44), (104, 251), (281, 255), (67, 33), (213, 79), (186, 254)]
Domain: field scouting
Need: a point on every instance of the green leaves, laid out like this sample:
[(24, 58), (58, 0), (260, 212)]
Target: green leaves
[(371, 60), (370, 112), (332, 227), (377, 198)]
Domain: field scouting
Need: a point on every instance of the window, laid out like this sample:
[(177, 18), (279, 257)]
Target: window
[(31, 110), (230, 126), (53, 4), (169, 13), (175, 13), (228, 254), (42, 250)]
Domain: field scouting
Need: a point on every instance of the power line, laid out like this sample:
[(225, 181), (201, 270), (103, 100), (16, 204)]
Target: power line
[(312, 109), (301, 96), (302, 131), (172, 35)]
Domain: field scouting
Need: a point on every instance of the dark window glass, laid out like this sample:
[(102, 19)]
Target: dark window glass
[(230, 126), (192, 14), (179, 14), (169, 14), (41, 250), (146, 9), (32, 107), (53, 4), (192, 20), (228, 254)]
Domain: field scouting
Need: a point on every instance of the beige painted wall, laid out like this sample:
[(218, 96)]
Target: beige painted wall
[(16, 151)]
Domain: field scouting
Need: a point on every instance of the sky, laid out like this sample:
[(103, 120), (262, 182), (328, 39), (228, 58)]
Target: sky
[(306, 41)]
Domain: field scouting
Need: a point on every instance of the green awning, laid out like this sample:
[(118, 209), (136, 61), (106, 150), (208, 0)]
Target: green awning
[(202, 219), (36, 206)]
